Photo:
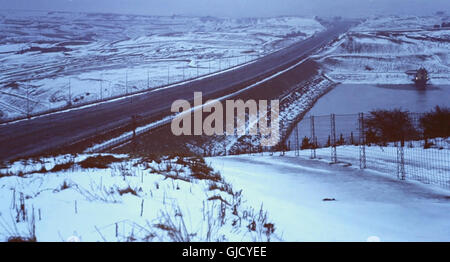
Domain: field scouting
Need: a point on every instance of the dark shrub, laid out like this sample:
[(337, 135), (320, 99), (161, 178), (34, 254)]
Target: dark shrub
[(127, 190), (436, 123), (64, 186), (216, 177), (384, 126), (306, 144), (22, 239), (200, 170), (62, 167), (341, 140), (99, 161)]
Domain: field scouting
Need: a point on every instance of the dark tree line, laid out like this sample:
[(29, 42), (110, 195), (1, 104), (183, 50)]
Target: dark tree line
[(383, 126), (436, 123)]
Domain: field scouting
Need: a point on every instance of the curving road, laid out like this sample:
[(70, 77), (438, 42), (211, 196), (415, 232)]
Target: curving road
[(37, 135)]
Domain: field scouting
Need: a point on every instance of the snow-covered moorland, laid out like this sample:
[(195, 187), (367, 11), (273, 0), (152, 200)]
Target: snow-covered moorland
[(118, 198), (103, 55), (382, 49)]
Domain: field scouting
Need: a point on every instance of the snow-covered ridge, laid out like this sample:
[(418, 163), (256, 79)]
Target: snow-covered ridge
[(81, 57), (382, 49)]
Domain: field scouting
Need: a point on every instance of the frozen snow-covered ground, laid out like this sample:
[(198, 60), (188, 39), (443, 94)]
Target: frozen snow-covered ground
[(382, 49), (69, 198), (56, 57), (368, 205), (429, 166), (139, 199)]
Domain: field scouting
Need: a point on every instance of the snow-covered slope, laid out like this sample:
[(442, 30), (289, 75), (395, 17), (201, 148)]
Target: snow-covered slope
[(104, 55), (243, 198), (117, 198), (382, 49)]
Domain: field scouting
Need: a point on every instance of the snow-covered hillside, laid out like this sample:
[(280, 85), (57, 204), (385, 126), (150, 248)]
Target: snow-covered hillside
[(117, 198), (103, 55), (382, 49)]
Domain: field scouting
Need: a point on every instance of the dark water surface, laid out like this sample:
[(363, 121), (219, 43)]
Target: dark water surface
[(347, 100), (350, 99)]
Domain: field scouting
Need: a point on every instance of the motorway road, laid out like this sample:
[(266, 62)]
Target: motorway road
[(37, 135)]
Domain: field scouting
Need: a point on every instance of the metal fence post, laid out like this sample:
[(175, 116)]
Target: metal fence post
[(297, 146), (362, 142), (313, 139), (401, 174), (333, 139)]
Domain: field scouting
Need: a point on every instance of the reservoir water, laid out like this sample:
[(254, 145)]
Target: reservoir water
[(347, 100)]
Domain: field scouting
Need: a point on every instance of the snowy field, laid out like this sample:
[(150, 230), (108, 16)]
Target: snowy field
[(429, 166), (382, 49), (311, 200), (115, 198), (241, 198), (53, 58)]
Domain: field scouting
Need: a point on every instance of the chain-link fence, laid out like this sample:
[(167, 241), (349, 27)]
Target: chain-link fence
[(412, 146)]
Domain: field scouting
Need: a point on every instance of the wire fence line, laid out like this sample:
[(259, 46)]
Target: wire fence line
[(224, 64), (401, 144)]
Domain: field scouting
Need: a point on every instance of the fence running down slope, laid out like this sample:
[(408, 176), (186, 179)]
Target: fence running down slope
[(408, 145)]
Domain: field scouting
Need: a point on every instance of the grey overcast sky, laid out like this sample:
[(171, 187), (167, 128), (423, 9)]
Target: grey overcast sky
[(237, 8)]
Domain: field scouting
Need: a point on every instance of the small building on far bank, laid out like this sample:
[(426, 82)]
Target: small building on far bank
[(420, 76)]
